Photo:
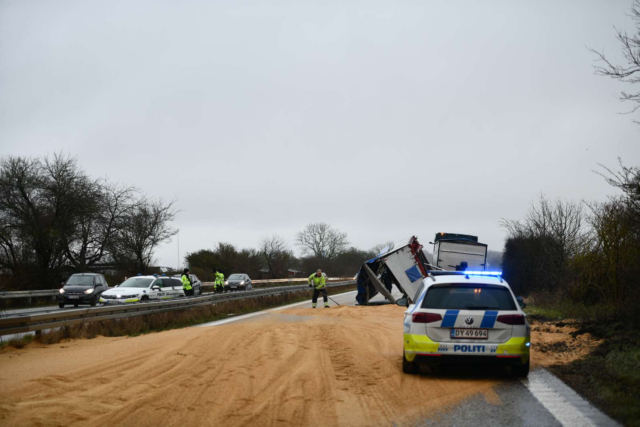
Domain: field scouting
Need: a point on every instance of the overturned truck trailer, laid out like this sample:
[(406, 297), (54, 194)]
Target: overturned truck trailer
[(404, 266)]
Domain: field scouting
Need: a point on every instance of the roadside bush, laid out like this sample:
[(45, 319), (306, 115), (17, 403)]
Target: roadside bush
[(585, 262)]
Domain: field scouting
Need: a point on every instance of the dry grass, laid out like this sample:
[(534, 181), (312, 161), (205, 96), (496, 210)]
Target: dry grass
[(175, 319), (17, 342)]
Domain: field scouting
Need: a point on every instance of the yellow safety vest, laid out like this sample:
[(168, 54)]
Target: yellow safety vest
[(186, 282), (318, 282)]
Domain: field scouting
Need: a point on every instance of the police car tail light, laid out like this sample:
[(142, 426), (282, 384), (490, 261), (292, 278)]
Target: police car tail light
[(426, 317), (511, 319)]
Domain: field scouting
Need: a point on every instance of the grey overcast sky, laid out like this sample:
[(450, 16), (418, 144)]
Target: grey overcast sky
[(383, 118)]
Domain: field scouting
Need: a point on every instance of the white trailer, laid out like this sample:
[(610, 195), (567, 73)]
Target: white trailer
[(403, 265)]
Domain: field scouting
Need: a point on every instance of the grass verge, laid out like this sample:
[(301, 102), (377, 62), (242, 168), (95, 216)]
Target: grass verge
[(609, 376), (170, 320)]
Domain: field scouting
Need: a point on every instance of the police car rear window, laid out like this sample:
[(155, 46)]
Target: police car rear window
[(469, 297)]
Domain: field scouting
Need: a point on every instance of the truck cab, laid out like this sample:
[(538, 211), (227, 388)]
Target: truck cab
[(459, 252)]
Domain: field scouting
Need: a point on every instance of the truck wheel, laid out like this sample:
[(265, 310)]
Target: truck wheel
[(61, 304), (521, 371), (409, 367)]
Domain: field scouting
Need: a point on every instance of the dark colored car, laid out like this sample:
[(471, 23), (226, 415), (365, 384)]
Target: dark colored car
[(82, 288), (196, 284), (239, 282)]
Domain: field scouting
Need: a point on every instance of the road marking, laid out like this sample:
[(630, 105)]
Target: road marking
[(260, 313), (563, 403)]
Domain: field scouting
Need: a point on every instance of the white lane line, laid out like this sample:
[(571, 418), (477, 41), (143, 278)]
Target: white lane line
[(260, 313), (562, 402)]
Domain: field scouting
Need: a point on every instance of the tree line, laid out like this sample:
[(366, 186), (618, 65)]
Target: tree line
[(55, 219), (321, 246), (580, 253)]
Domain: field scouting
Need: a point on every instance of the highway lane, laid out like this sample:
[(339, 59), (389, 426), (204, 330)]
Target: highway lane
[(540, 400), (55, 308)]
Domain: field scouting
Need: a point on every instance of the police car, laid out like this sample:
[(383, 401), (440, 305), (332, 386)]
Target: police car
[(466, 317), (143, 288)]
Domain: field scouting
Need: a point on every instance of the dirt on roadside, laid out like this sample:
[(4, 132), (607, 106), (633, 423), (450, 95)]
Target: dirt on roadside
[(559, 343)]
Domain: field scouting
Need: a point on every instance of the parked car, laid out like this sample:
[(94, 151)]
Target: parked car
[(143, 289), (238, 282), (195, 283), (82, 288)]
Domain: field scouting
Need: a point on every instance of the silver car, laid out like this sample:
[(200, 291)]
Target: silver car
[(238, 282), (196, 284)]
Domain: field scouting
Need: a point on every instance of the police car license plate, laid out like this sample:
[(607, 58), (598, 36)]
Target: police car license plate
[(74, 297), (476, 334)]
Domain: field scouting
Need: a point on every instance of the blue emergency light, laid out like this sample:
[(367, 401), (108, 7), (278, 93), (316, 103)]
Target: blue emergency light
[(483, 273)]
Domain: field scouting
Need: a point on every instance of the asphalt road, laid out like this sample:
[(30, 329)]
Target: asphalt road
[(541, 400)]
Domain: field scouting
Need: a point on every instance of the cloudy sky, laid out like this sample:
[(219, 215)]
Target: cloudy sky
[(385, 119)]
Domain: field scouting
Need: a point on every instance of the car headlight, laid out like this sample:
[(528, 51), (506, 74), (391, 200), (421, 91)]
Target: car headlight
[(89, 291), (118, 296), (61, 291), (226, 282), (242, 283)]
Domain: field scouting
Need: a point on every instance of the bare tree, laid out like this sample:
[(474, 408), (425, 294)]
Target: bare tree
[(276, 255), (40, 202), (538, 249), (561, 222), (105, 210), (140, 232), (322, 241), (629, 72), (382, 246), (628, 181)]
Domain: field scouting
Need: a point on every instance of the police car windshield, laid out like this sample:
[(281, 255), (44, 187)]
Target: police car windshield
[(80, 281), (469, 297), (136, 282)]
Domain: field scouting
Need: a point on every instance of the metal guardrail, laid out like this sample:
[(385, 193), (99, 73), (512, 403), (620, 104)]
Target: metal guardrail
[(29, 294), (54, 292), (21, 323)]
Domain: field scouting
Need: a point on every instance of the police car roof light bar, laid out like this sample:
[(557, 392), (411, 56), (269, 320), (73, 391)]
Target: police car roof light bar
[(483, 273)]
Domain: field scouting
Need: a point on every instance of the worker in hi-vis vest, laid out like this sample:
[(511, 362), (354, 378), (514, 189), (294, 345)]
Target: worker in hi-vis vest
[(219, 283), (186, 283), (317, 281)]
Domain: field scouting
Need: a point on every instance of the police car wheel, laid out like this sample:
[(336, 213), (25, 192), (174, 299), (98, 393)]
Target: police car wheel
[(409, 367), (144, 299), (521, 371)]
